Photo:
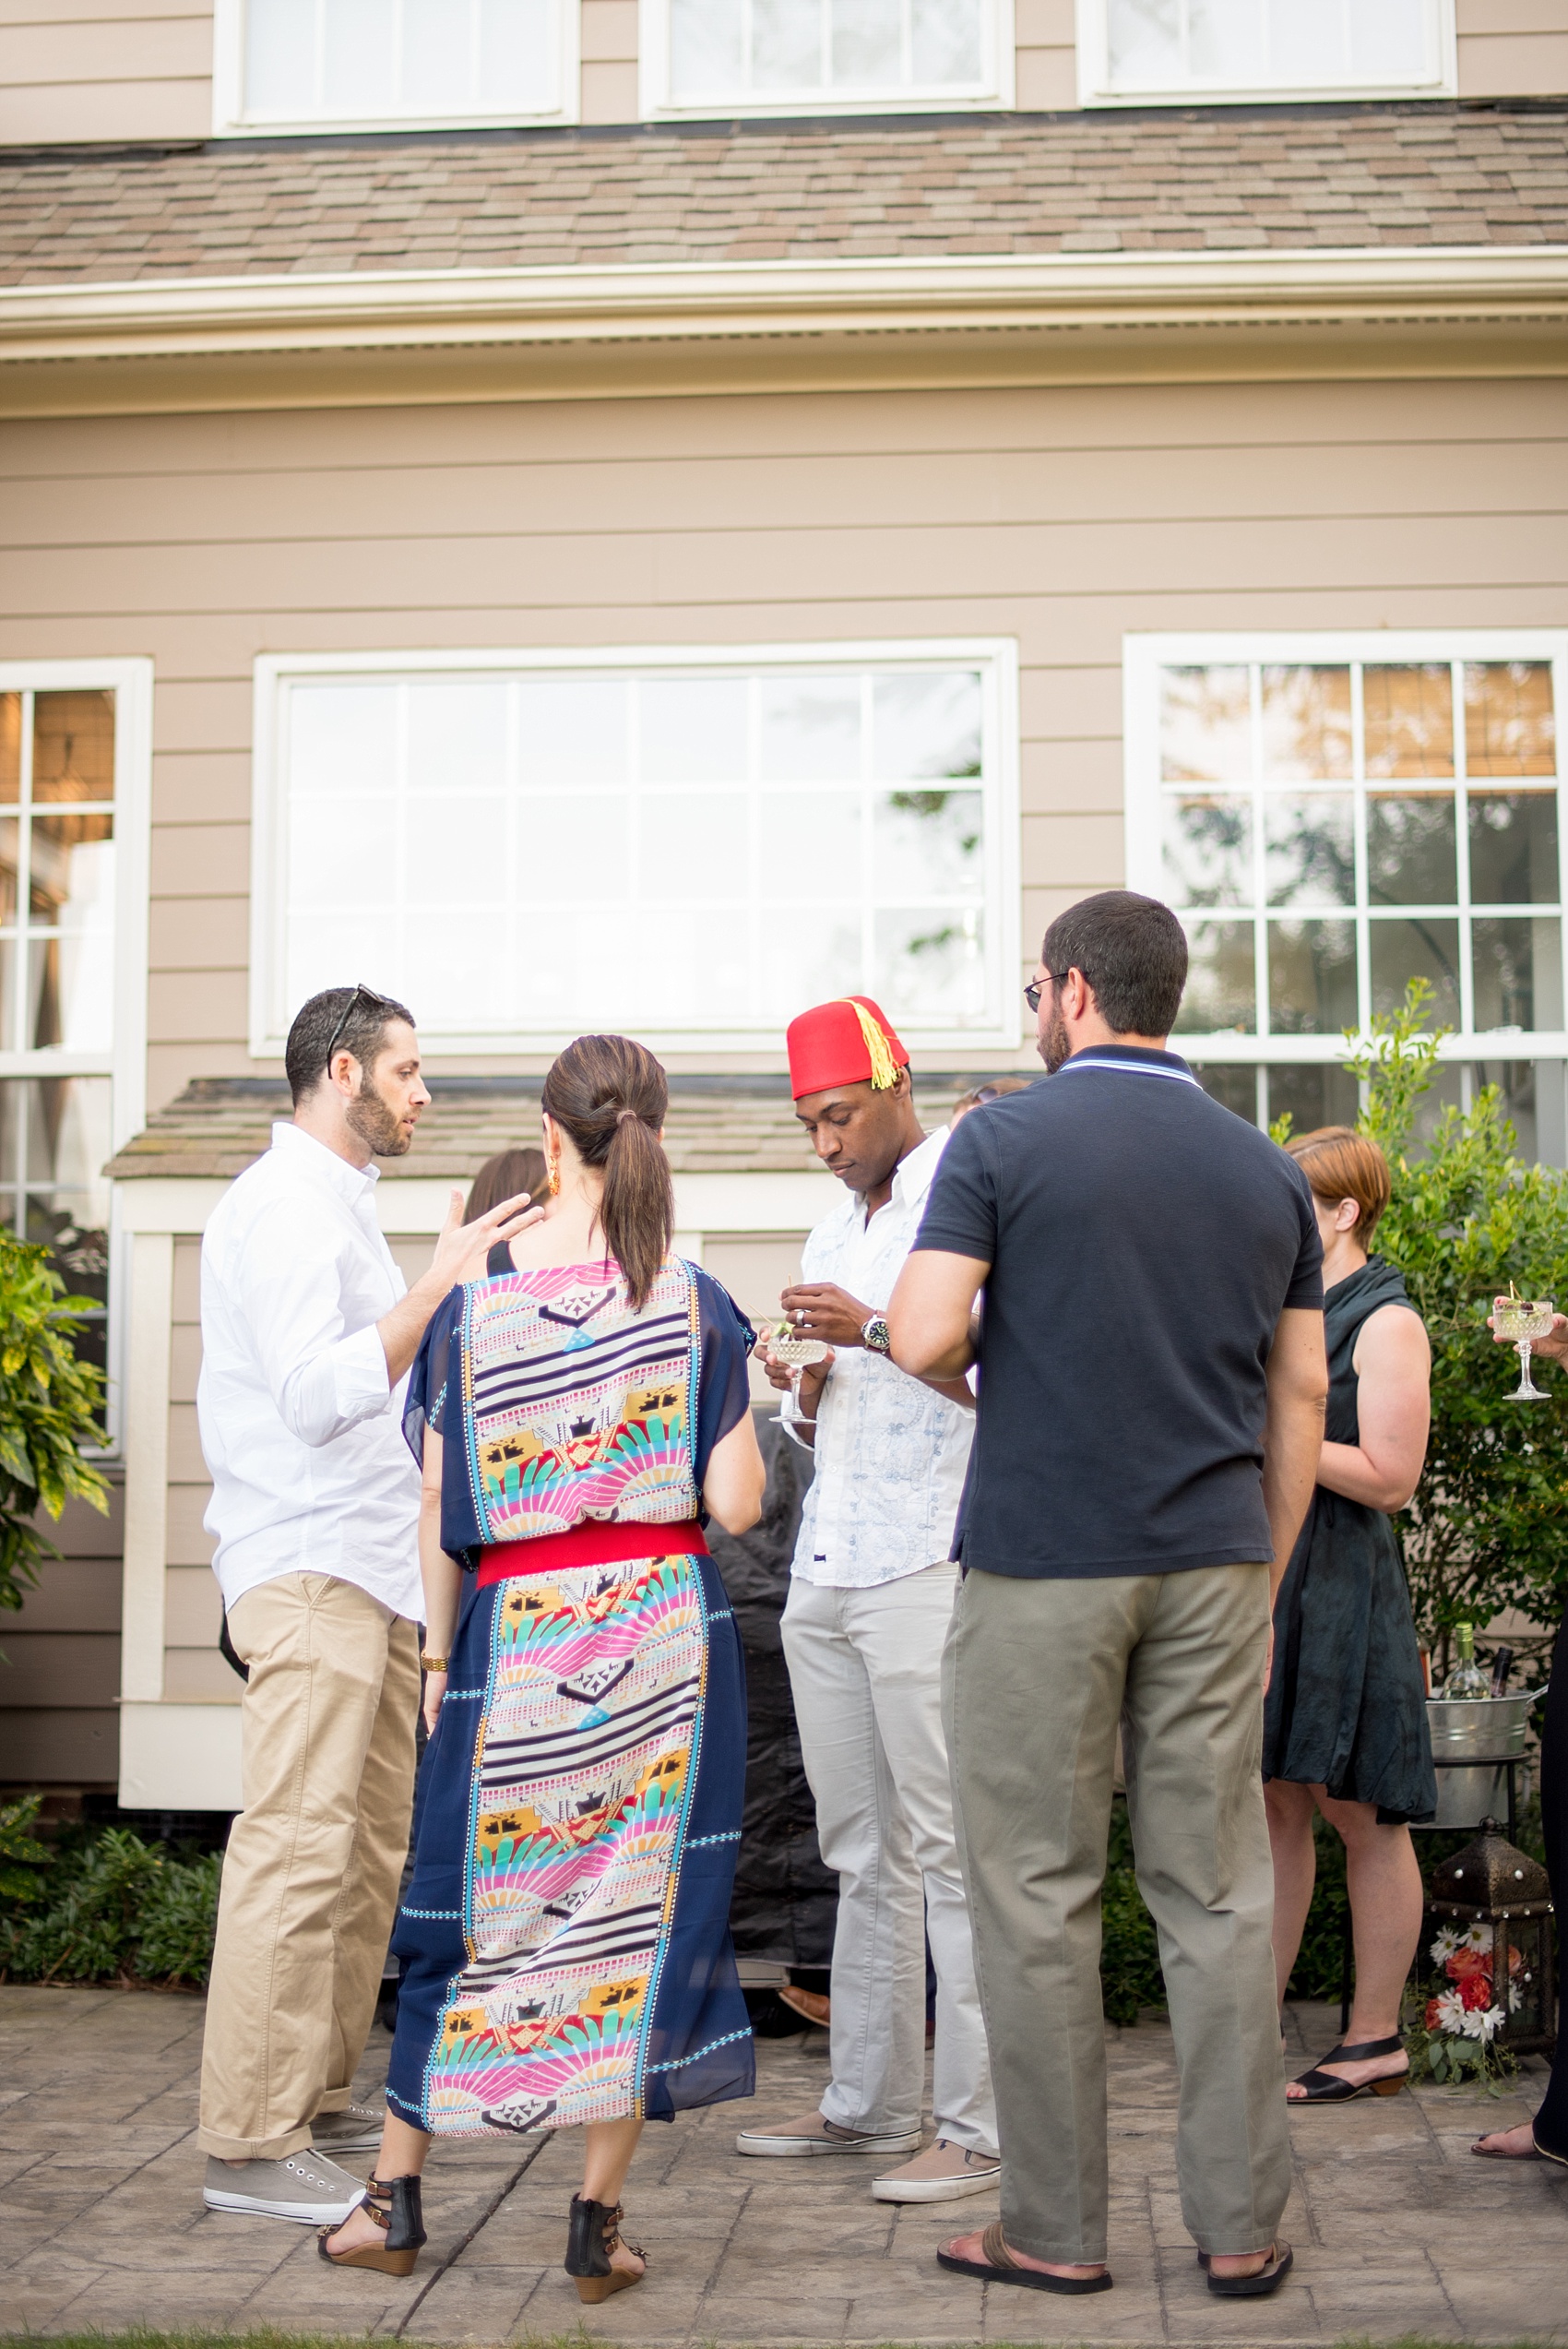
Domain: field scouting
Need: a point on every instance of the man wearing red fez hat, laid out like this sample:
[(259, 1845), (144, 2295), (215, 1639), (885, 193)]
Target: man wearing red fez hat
[(870, 1598)]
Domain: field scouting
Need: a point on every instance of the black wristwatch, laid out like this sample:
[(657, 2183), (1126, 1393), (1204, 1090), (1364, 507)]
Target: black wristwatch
[(874, 1336)]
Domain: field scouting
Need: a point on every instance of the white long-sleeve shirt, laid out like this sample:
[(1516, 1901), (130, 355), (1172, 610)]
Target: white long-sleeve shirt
[(301, 1429), (890, 1452)]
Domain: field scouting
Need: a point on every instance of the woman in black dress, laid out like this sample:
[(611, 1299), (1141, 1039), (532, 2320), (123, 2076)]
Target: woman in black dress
[(1345, 1724)]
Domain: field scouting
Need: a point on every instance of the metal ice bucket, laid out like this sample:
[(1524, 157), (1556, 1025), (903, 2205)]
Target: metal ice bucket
[(1494, 1726)]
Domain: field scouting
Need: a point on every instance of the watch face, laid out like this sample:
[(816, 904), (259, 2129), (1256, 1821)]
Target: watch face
[(876, 1334)]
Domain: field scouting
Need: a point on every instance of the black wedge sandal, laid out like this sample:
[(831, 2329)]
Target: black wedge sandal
[(592, 2238), (1327, 2087), (393, 2204)]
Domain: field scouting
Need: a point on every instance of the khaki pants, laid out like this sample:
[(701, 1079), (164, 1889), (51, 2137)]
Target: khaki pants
[(310, 1879), (1036, 1675), (865, 1671)]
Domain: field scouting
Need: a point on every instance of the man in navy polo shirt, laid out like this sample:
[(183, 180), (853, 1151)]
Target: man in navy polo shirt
[(1151, 1402)]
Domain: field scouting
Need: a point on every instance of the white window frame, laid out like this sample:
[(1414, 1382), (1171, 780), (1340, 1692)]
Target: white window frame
[(993, 93), (1143, 658), (125, 1062), (229, 119), (1095, 85), (995, 657)]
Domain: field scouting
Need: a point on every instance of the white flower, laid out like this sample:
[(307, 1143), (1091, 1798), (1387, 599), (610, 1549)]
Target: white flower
[(1451, 2015), (1482, 2022), (1477, 1936), (1515, 1998), (1443, 1948)]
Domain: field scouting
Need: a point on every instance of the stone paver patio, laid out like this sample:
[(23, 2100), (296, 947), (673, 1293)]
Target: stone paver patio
[(1396, 2229)]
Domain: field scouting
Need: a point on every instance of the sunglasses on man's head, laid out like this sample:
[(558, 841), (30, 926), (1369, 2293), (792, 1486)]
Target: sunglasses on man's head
[(362, 995), (1031, 992)]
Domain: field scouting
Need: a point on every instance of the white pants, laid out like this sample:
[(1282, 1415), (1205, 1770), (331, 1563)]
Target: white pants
[(865, 1668)]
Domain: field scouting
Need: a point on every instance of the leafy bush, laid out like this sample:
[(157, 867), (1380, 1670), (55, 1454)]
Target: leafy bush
[(51, 1404), (103, 1905), (1130, 1975)]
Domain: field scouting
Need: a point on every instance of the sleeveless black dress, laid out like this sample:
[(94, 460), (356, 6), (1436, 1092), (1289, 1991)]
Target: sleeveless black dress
[(1347, 1703)]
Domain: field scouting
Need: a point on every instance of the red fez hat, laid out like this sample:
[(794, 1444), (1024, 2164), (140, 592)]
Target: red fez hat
[(845, 1042)]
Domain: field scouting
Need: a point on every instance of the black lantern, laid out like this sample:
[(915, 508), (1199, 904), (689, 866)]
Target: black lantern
[(1501, 1902)]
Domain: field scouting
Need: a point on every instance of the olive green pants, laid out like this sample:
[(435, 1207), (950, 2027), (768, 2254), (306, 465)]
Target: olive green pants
[(1037, 1674)]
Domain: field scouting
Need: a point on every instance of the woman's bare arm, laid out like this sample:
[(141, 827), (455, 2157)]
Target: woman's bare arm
[(441, 1575), (731, 1491), (1393, 1363)]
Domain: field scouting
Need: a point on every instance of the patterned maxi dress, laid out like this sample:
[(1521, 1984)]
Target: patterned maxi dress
[(566, 1933)]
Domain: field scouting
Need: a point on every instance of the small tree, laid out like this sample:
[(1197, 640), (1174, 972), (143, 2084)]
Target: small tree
[(51, 1403), (1488, 1527)]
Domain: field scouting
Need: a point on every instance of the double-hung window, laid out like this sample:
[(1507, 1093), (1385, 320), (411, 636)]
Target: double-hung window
[(1335, 815), (360, 64), (73, 895), (772, 56), (1135, 51), (685, 846)]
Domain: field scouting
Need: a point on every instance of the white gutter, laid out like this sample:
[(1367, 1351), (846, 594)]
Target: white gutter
[(692, 299)]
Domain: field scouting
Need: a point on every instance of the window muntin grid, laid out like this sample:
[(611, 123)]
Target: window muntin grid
[(792, 51), (386, 61), (57, 849), (1169, 47), (666, 850), (1329, 828)]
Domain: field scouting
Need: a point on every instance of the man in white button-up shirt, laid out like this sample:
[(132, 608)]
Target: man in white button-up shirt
[(870, 1599), (307, 1337)]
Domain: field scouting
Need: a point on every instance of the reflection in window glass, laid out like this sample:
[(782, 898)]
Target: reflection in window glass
[(1312, 1094), (1514, 848), (1234, 1087), (1522, 1083), (1220, 989), (1206, 726), (10, 749), (1309, 849), (55, 1139), (1409, 721), (1428, 949), (1174, 45), (830, 820), (737, 49), (1209, 852), (1510, 725), (1518, 969), (1306, 725), (1410, 850), (1311, 977), (379, 60)]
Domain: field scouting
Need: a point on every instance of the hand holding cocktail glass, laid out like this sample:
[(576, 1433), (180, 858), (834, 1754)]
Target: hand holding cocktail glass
[(1529, 1324)]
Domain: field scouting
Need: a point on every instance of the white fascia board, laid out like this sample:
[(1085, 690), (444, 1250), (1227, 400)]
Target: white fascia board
[(180, 1757), (695, 300)]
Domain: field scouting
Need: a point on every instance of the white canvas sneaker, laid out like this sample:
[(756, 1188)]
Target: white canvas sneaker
[(810, 2135), (355, 2129), (944, 2172), (305, 2185)]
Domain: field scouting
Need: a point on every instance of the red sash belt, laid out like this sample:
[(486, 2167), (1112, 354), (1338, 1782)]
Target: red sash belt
[(591, 1544)]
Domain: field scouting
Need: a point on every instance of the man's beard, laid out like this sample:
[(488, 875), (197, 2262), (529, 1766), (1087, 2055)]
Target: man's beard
[(1055, 1045), (373, 1118)]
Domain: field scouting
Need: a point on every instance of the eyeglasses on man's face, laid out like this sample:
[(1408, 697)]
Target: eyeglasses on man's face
[(361, 994), (1031, 992)]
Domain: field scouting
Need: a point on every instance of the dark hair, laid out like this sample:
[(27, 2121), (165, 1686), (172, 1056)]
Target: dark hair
[(317, 1029), (1339, 1163), (503, 1176), (991, 1089), (1133, 952), (610, 1096)]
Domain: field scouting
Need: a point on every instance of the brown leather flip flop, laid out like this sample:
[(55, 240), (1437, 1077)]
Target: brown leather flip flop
[(1268, 2278), (1000, 2267)]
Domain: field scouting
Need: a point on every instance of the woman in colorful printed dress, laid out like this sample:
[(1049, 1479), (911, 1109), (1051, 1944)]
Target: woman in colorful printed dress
[(566, 1933)]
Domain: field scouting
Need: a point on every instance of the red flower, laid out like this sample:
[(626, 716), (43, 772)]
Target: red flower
[(1467, 1962), (1434, 2020), (1475, 1991)]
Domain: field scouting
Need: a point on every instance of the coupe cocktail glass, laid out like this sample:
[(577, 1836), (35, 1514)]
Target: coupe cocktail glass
[(1523, 1320), (785, 1341)]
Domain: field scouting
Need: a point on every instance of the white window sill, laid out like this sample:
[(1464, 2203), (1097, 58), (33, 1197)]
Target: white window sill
[(1318, 94), (784, 104), (332, 127)]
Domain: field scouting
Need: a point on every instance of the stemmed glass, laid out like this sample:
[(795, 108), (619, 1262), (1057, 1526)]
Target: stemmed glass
[(1523, 1320), (786, 1341)]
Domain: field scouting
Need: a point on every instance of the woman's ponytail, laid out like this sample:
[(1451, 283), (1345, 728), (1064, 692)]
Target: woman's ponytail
[(610, 1096)]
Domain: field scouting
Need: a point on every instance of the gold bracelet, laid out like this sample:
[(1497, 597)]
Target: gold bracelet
[(433, 1663)]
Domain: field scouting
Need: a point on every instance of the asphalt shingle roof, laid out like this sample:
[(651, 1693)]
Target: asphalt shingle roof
[(1219, 179)]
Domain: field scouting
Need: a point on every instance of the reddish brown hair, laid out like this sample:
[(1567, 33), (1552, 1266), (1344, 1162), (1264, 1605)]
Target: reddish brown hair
[(1339, 1163), (610, 1096)]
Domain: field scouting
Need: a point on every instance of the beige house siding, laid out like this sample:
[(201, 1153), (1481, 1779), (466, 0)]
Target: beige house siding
[(60, 1678), (73, 71), (1512, 48), (607, 34), (1063, 516)]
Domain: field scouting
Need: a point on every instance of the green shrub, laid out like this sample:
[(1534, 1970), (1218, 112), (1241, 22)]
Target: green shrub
[(51, 1404), (107, 1906), (1130, 1975)]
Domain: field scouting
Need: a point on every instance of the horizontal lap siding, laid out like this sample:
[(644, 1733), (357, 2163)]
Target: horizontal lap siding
[(1063, 516), (75, 71), (1512, 48), (193, 1612), (60, 1680)]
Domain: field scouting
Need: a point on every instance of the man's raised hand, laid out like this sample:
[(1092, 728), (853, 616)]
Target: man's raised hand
[(462, 1250)]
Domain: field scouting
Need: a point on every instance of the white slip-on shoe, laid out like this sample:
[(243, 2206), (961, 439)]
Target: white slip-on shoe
[(944, 2172), (812, 2135), (303, 2185), (356, 2129)]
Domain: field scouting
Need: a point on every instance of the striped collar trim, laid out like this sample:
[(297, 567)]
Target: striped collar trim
[(1124, 1065)]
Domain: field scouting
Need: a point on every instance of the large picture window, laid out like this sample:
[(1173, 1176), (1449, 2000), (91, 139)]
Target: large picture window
[(767, 55), (1334, 817), (72, 956), (294, 64), (684, 847), (1135, 50)]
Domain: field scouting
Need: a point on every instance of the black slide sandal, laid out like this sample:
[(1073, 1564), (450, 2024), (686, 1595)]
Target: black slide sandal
[(1000, 2267), (1268, 2278), (1327, 2087)]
